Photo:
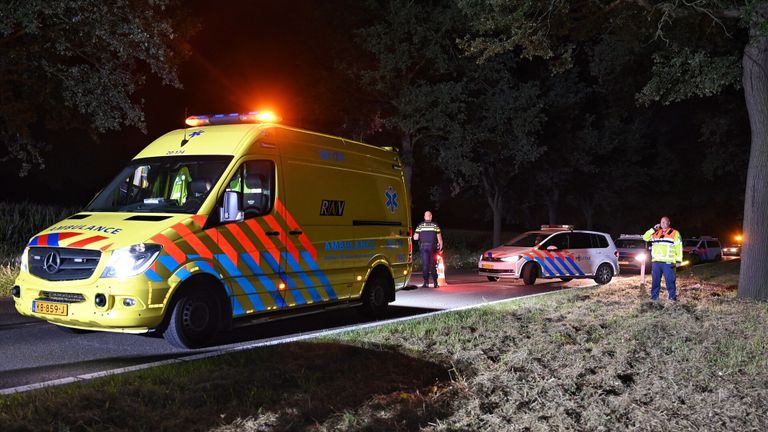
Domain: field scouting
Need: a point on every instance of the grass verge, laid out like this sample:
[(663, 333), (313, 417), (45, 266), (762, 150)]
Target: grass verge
[(590, 359)]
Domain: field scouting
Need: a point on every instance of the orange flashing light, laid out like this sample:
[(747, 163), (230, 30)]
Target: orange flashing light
[(195, 121), (234, 118)]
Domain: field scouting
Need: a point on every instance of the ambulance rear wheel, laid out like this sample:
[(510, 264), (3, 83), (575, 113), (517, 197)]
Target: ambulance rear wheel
[(530, 273), (194, 321), (493, 278), (604, 274), (375, 297)]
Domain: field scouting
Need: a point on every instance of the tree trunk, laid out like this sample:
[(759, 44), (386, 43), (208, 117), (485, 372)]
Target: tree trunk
[(753, 279), (552, 201), (407, 158), (497, 207)]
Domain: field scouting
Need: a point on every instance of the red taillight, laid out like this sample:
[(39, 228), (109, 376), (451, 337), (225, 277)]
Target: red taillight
[(410, 240)]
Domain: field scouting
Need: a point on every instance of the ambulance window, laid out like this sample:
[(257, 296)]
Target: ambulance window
[(580, 241), (255, 180), (558, 240)]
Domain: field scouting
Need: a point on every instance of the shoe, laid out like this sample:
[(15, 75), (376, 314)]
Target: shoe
[(436, 285), (426, 285)]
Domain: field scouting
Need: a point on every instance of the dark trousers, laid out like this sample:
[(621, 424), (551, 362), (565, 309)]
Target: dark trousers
[(429, 264), (668, 269)]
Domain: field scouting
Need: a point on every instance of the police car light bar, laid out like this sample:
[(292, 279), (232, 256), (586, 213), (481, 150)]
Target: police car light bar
[(234, 118), (567, 227)]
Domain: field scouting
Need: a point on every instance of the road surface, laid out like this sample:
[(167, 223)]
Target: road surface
[(33, 351)]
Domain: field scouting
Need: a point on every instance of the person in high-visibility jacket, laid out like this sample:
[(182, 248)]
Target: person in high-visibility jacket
[(666, 254), (430, 241)]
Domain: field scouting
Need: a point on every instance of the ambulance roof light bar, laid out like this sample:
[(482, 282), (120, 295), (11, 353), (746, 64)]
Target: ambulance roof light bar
[(557, 227), (234, 118)]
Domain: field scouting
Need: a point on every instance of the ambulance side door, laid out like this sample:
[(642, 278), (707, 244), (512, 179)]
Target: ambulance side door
[(252, 248)]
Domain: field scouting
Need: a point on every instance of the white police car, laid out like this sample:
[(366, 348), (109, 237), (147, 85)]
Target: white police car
[(555, 251)]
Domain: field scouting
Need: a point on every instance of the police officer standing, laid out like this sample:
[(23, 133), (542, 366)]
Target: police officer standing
[(430, 240), (666, 252)]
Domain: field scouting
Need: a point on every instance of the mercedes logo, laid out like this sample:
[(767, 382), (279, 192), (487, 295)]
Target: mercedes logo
[(51, 262)]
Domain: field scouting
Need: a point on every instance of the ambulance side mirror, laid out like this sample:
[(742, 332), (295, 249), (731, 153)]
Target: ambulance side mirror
[(230, 210)]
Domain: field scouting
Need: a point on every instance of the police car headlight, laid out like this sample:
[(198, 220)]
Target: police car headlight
[(641, 257), (131, 260), (25, 259), (511, 259)]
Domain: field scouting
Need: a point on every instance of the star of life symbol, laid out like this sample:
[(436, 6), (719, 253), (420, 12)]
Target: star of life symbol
[(391, 199)]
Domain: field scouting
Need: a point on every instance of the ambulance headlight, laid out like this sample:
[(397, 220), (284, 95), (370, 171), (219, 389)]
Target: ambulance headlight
[(511, 259), (25, 259), (131, 260), (641, 257)]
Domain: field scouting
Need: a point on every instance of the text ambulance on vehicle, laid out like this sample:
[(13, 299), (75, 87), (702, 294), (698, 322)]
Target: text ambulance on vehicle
[(555, 251), (234, 220)]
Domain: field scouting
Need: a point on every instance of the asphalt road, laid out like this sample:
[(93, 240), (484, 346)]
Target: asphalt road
[(33, 351)]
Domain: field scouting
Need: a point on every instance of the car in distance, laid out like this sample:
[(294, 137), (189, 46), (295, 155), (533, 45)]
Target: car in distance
[(701, 249), (634, 252)]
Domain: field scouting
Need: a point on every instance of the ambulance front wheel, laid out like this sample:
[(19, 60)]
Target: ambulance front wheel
[(376, 294), (194, 320), (530, 273), (604, 274)]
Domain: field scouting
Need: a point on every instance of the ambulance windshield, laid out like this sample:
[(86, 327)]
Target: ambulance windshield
[(174, 184)]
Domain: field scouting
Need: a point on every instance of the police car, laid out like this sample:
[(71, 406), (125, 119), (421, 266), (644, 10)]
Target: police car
[(700, 249), (554, 251)]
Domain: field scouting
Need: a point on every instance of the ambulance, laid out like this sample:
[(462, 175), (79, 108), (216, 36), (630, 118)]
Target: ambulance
[(555, 251), (233, 220)]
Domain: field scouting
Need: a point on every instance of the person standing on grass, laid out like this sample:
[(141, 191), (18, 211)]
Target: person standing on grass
[(666, 253), (430, 241)]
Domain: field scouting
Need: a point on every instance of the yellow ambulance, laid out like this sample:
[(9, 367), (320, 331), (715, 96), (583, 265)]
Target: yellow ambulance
[(234, 220)]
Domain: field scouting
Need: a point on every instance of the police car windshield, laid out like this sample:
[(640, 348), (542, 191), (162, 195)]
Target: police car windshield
[(630, 244), (529, 239), (174, 184)]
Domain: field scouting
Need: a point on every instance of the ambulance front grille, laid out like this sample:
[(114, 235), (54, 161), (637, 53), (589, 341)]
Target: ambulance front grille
[(62, 297), (61, 264)]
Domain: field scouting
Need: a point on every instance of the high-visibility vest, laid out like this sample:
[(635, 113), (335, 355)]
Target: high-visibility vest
[(666, 245)]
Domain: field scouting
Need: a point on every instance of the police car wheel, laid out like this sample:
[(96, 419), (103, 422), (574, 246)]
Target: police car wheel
[(194, 320), (530, 273), (566, 279), (604, 274), (374, 298), (493, 278)]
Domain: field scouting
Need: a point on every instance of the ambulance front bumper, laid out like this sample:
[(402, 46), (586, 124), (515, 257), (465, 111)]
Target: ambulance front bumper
[(115, 306)]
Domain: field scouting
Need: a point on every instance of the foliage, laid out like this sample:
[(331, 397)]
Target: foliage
[(68, 63)]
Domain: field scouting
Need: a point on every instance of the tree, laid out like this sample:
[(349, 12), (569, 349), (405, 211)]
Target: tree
[(698, 51), (498, 135), (79, 63), (412, 72)]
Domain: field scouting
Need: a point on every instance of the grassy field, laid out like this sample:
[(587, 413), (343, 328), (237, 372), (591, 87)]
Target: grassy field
[(585, 359)]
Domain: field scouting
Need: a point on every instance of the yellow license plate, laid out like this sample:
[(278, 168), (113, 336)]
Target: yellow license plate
[(49, 308), (486, 266)]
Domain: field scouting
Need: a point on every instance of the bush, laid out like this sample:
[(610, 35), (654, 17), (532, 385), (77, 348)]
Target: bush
[(20, 221)]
